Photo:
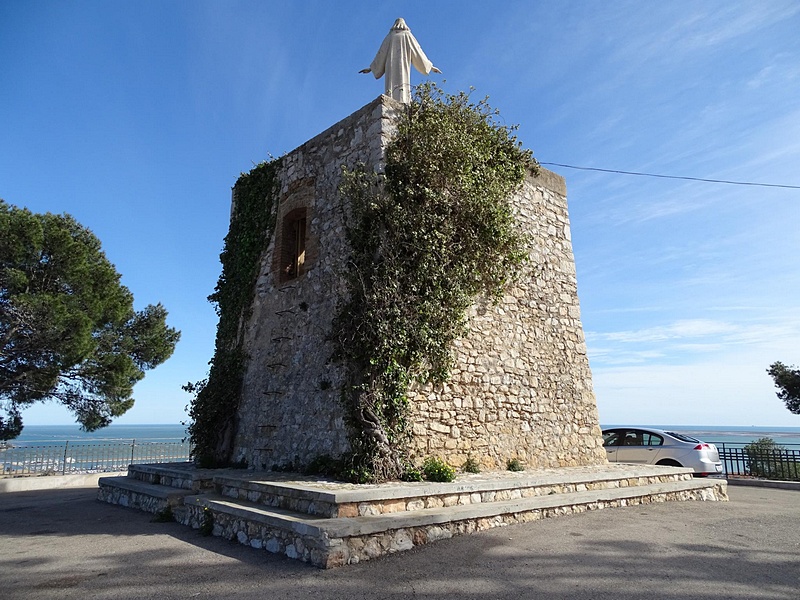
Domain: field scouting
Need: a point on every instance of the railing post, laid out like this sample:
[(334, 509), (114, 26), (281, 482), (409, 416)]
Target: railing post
[(133, 445), (64, 464)]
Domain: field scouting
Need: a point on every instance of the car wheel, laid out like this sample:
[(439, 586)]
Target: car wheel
[(668, 462)]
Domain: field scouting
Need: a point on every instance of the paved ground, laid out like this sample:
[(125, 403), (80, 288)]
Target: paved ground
[(63, 544)]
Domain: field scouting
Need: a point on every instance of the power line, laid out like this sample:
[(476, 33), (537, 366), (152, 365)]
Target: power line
[(775, 185)]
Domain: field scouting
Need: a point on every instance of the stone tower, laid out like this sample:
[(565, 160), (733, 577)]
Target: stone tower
[(521, 387)]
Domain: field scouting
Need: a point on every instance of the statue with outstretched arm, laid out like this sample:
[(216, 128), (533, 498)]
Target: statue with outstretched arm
[(397, 53)]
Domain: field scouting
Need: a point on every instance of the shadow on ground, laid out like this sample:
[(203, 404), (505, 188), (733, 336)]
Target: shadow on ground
[(64, 544)]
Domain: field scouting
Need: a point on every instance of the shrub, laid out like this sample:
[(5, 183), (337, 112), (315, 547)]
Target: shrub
[(207, 524), (435, 469), (325, 465), (411, 474), (767, 459), (514, 464), (164, 515), (357, 474), (471, 465)]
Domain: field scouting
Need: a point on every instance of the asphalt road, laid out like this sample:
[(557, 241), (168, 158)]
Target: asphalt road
[(63, 544)]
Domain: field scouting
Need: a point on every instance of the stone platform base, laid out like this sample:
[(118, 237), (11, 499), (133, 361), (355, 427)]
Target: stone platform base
[(330, 523)]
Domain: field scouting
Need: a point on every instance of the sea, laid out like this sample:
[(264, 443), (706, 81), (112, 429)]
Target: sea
[(734, 436), (61, 449), (45, 435)]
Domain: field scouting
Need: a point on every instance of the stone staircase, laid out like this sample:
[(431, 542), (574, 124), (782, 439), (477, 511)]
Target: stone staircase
[(330, 523)]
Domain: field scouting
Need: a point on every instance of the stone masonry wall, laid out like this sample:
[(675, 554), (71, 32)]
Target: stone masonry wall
[(290, 410), (522, 385)]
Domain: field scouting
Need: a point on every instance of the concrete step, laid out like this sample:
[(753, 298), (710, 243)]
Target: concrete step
[(134, 493), (336, 499), (178, 475), (329, 542), (331, 523)]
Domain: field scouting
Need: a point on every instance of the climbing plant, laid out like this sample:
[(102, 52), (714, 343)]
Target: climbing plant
[(429, 236), (216, 399)]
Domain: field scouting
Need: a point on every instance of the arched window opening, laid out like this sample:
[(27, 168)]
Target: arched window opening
[(293, 251)]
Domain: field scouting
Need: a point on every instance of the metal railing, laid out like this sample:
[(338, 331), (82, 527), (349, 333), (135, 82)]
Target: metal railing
[(79, 457), (740, 461)]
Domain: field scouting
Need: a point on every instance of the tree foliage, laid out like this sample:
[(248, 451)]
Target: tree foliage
[(68, 330), (766, 458), (787, 380), (427, 237)]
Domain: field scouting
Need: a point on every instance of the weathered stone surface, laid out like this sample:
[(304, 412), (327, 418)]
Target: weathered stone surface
[(521, 387), (131, 499), (290, 413), (381, 528)]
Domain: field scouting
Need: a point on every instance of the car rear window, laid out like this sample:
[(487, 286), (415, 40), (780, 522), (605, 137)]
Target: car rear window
[(681, 437)]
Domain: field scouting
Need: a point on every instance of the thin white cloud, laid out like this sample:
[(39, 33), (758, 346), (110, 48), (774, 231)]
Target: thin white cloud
[(610, 356), (686, 341), (702, 26), (690, 328), (764, 76), (780, 72), (730, 389), (731, 23)]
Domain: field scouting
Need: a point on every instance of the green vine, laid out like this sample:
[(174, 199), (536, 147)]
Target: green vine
[(427, 238), (214, 406)]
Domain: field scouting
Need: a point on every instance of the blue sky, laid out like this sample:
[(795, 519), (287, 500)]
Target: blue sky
[(137, 118)]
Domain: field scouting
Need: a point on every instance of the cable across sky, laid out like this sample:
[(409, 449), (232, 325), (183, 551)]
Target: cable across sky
[(774, 185)]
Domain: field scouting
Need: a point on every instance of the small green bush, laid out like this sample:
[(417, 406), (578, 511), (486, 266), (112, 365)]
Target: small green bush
[(411, 474), (164, 515), (514, 464), (770, 460), (207, 525), (325, 465), (435, 469), (357, 474), (471, 465)]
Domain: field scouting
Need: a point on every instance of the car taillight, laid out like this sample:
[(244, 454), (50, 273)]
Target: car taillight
[(702, 447)]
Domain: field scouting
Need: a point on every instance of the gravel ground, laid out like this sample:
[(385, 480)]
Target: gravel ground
[(64, 544)]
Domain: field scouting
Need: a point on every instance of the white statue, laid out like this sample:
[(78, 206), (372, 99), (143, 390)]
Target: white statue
[(397, 53)]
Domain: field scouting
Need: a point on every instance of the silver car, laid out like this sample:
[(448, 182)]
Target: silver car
[(656, 447)]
